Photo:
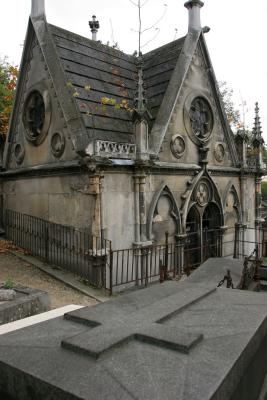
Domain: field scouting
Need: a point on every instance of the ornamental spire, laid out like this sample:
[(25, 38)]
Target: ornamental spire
[(257, 132), (140, 100)]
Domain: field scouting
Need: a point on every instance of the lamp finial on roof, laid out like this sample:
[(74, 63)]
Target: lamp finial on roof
[(94, 26), (38, 8), (194, 7)]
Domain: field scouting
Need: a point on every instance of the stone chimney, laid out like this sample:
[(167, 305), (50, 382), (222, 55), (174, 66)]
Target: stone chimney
[(38, 8), (194, 7), (94, 26)]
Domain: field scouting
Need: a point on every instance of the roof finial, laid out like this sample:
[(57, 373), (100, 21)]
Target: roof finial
[(140, 101), (194, 7), (38, 8), (257, 124), (94, 25)]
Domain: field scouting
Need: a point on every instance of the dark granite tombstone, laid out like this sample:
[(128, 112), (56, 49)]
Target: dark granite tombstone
[(188, 340)]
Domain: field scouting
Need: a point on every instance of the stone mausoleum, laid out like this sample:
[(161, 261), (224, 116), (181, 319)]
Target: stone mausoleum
[(129, 147)]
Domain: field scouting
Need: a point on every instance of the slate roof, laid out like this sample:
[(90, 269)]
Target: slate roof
[(113, 74), (158, 68)]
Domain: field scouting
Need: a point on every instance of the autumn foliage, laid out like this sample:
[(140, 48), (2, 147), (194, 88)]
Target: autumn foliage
[(8, 82)]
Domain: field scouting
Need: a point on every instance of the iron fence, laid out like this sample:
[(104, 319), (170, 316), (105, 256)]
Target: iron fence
[(65, 246), (144, 265), (248, 238), (95, 261)]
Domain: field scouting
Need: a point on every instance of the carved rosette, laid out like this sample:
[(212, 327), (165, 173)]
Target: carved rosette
[(19, 153), (198, 118), (57, 144), (219, 152), (177, 146), (36, 116)]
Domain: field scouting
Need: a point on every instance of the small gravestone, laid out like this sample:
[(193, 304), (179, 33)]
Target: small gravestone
[(21, 302), (7, 294)]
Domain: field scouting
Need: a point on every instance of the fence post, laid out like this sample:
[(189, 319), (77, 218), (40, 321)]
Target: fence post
[(258, 262), (236, 245), (110, 270), (146, 264), (46, 243), (164, 268)]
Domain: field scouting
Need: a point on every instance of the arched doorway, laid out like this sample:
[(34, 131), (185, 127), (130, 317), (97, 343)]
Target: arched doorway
[(203, 234), (193, 240), (211, 222)]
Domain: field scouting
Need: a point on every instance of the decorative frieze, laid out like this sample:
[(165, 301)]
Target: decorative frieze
[(105, 148)]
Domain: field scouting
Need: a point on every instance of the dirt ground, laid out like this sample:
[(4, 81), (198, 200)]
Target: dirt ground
[(21, 273)]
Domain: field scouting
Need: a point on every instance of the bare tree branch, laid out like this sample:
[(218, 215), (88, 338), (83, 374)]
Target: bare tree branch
[(158, 21), (144, 3), (140, 27), (175, 34), (112, 31), (135, 4), (154, 37)]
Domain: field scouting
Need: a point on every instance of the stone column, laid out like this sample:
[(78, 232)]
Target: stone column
[(238, 230), (94, 189), (180, 240), (242, 195), (136, 208), (258, 219), (142, 207), (141, 134), (102, 224)]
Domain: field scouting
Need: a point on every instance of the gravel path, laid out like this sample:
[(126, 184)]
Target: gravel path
[(22, 273)]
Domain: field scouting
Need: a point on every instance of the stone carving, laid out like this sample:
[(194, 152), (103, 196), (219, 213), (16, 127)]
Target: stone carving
[(177, 146), (164, 219), (35, 113), (202, 194), (19, 153), (36, 116), (219, 152), (57, 144), (201, 118), (230, 202), (115, 149)]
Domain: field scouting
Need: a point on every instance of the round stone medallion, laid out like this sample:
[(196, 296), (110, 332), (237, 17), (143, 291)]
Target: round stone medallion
[(57, 144), (36, 116), (198, 117), (219, 152), (19, 153), (202, 194), (201, 118), (177, 146)]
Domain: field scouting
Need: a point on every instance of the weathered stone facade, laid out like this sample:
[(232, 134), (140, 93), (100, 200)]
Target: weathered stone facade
[(89, 147)]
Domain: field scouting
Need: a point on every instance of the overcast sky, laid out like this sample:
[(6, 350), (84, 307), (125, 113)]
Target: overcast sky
[(236, 41)]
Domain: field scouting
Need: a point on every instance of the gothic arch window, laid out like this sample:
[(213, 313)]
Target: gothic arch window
[(232, 208), (163, 216)]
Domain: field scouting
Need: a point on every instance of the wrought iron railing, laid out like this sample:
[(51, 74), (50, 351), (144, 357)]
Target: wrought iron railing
[(65, 246), (94, 259)]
